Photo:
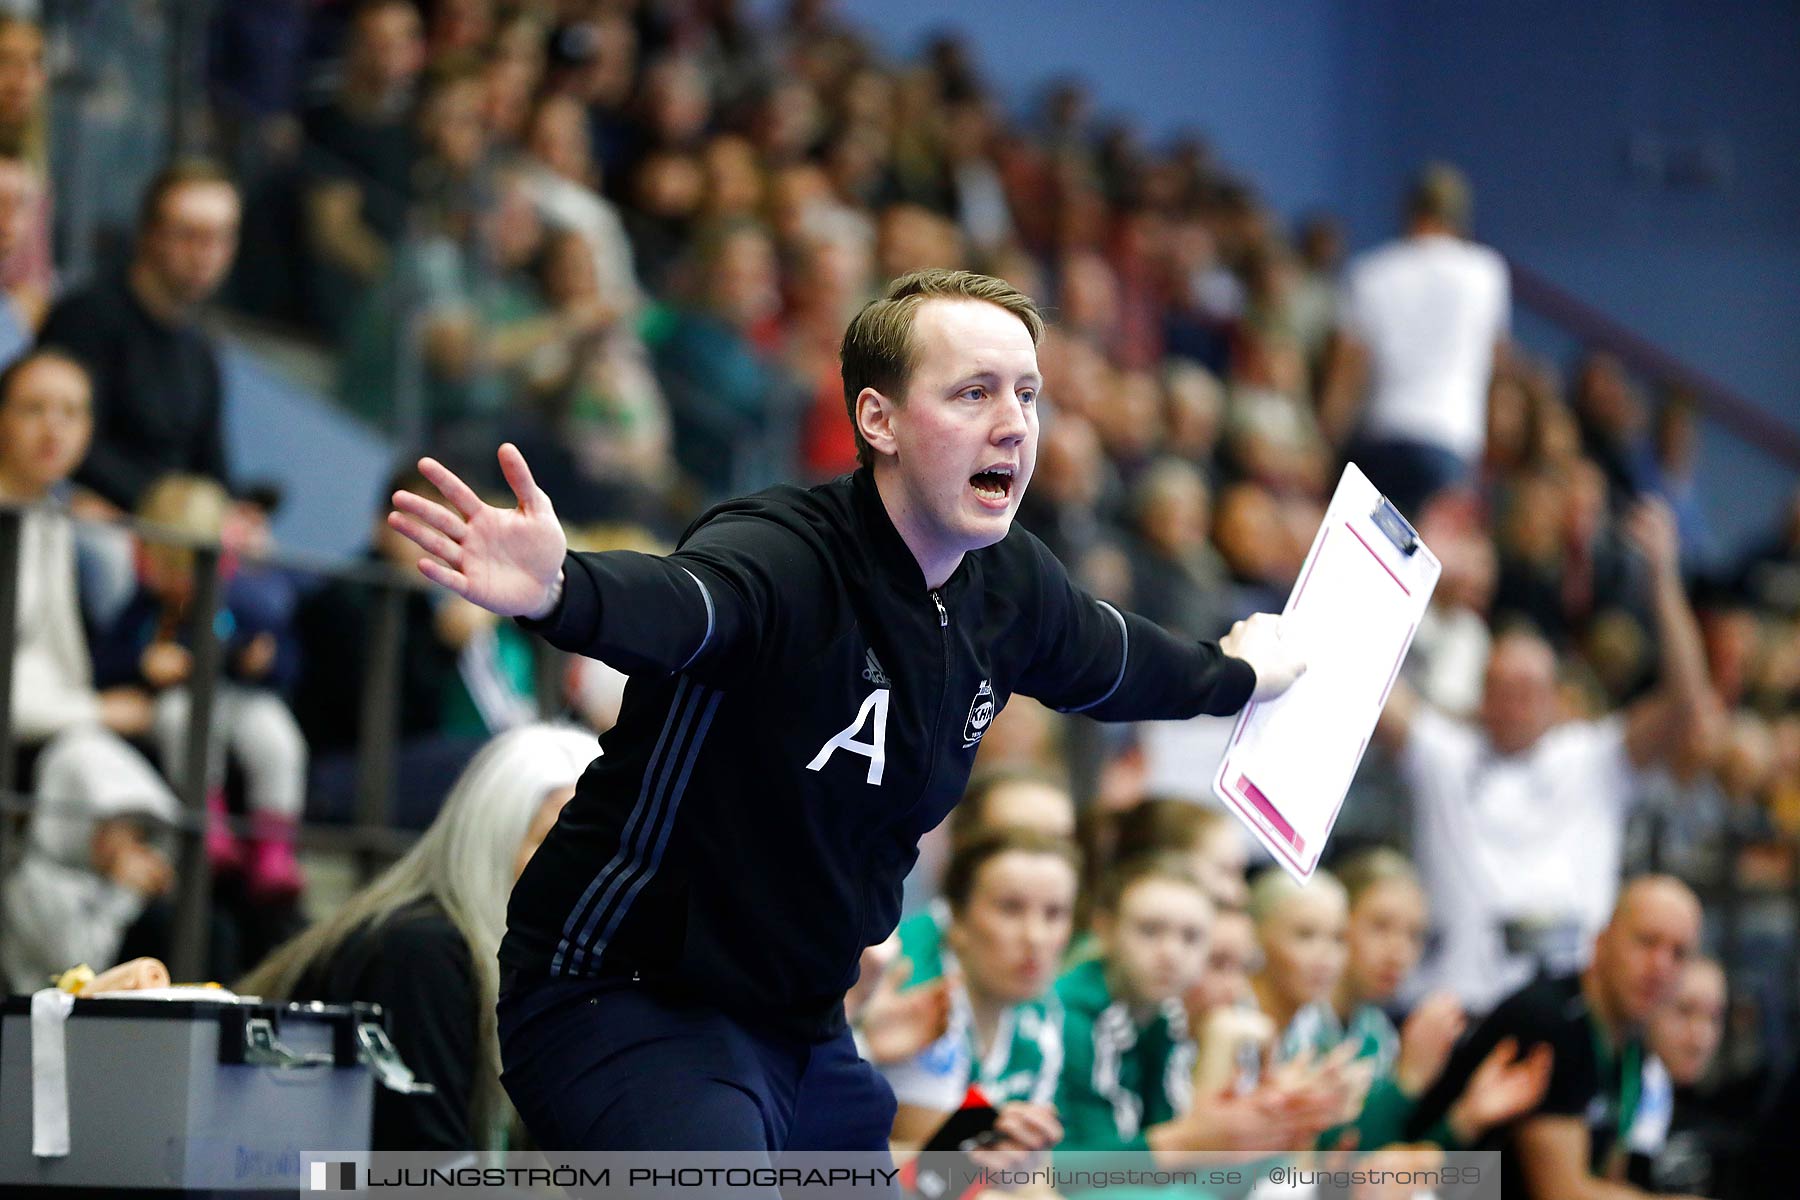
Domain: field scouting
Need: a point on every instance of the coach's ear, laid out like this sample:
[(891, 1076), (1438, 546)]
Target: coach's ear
[(875, 420)]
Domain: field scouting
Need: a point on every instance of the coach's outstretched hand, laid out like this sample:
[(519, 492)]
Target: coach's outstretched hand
[(507, 560), (1257, 640)]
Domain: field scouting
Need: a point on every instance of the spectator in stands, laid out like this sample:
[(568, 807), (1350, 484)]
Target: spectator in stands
[(1574, 1143), (22, 80), (978, 197), (735, 410), (1195, 415), (1272, 434), (1674, 474), (564, 182), (158, 393), (832, 278), (1260, 548), (1519, 823), (21, 305), (45, 423), (1178, 580), (674, 104), (458, 28), (1204, 297), (1564, 566), (1063, 507), (27, 270), (602, 407), (421, 940), (666, 191), (911, 238), (147, 647), (1313, 305), (1615, 429), (454, 143), (1129, 422), (1420, 323), (262, 598), (1450, 650), (359, 156), (510, 75), (734, 179), (1680, 1142), (98, 857), (1011, 896), (593, 59), (455, 326), (100, 838), (255, 69)]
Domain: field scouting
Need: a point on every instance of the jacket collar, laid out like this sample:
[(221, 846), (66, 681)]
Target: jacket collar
[(886, 545)]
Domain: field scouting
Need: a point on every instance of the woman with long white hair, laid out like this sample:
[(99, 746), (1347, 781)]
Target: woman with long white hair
[(422, 938)]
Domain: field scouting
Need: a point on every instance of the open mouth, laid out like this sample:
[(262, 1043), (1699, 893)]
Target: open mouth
[(994, 485)]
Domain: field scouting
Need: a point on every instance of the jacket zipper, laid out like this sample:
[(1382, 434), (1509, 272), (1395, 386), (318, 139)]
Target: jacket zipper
[(937, 724), (937, 719)]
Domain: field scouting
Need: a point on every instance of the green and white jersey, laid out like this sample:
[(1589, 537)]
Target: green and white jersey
[(1025, 1061), (922, 941), (1022, 1063), (1387, 1107), (1317, 1028), (1121, 1074)]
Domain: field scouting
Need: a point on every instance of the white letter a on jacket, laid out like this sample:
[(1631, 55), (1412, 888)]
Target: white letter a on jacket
[(845, 739)]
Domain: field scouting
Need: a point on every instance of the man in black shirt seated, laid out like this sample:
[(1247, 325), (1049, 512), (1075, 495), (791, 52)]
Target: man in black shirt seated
[(1572, 1146), (1687, 1134), (157, 389), (356, 171)]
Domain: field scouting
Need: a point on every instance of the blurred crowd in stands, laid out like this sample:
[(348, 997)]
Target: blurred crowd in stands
[(627, 235)]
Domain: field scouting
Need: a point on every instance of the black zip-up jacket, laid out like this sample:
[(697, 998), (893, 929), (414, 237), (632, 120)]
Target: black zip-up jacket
[(801, 710)]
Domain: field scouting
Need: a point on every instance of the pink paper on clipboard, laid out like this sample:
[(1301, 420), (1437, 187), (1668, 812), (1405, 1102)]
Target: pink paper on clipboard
[(1352, 615)]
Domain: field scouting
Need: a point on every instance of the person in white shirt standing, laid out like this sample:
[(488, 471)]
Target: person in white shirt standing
[(1519, 822), (1420, 322)]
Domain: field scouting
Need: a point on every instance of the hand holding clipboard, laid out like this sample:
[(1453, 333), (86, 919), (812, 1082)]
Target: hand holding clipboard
[(1257, 640), (1350, 619)]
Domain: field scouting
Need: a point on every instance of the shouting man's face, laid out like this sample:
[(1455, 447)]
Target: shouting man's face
[(964, 438)]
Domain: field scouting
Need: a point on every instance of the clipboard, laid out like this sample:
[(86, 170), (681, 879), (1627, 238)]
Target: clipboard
[(1352, 616)]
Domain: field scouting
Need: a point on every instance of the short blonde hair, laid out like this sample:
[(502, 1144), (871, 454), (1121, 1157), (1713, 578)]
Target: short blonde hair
[(188, 505), (878, 350), (1378, 864), (1273, 888)]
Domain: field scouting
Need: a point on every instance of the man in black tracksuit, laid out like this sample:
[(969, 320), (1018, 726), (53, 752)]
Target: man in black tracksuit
[(812, 672)]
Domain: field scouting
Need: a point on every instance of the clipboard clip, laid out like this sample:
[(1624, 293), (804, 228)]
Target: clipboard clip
[(1395, 527)]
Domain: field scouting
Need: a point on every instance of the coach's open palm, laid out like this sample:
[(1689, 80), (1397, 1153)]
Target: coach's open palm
[(507, 560)]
